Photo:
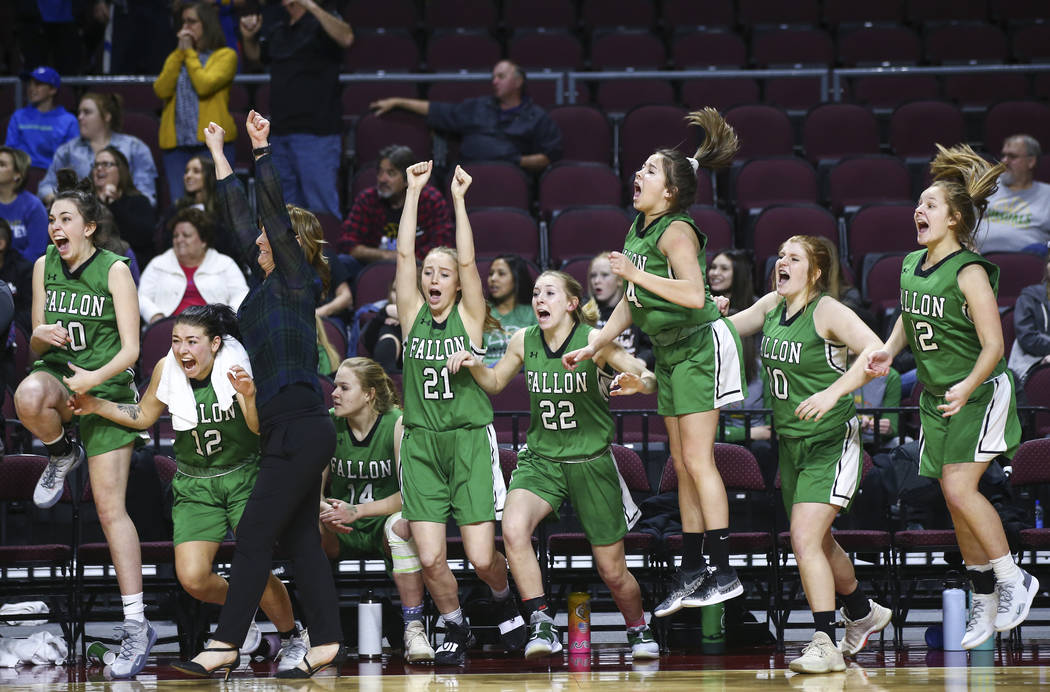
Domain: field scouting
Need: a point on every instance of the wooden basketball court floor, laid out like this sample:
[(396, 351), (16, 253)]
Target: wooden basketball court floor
[(608, 668)]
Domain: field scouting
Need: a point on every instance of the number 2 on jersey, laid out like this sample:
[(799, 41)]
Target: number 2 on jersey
[(924, 335), (557, 417), (212, 442)]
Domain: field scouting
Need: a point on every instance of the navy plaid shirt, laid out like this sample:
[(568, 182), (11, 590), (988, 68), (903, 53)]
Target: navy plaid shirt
[(277, 316)]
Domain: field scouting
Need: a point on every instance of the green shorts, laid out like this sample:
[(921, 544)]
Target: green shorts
[(701, 372), (825, 467), (97, 434), (984, 428), (594, 488), (366, 541), (206, 509), (451, 470)]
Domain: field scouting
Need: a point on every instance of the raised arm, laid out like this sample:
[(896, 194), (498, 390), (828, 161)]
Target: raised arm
[(233, 205), (138, 416), (619, 320), (406, 282), (473, 305), (244, 385)]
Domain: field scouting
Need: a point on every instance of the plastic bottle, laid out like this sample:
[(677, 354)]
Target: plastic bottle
[(953, 611), (1038, 515), (101, 653), (579, 623), (369, 627), (713, 627)]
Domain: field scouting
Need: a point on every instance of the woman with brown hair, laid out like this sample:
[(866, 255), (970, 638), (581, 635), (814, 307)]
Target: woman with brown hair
[(131, 210), (100, 117), (195, 87)]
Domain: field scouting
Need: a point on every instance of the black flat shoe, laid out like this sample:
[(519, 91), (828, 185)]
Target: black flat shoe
[(197, 670), (298, 673)]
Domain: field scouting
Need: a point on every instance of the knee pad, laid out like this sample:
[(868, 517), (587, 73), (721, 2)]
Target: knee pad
[(404, 553)]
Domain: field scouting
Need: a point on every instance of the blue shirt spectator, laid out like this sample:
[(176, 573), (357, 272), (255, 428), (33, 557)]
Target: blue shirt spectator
[(41, 127), (99, 116), (24, 213)]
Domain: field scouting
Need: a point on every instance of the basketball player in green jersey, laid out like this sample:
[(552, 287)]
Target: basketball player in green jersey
[(218, 460), (362, 515), (86, 330), (567, 453), (698, 363), (449, 456), (806, 336), (950, 319)]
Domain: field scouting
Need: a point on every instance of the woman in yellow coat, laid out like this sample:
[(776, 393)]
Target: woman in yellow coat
[(195, 87)]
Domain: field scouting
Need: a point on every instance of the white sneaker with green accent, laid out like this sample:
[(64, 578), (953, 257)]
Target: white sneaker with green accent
[(643, 645)]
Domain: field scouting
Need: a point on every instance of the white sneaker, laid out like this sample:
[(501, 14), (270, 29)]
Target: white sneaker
[(417, 646), (49, 487), (544, 639), (858, 631), (293, 651), (252, 640), (136, 640), (643, 645), (820, 656), (1015, 599), (981, 622)]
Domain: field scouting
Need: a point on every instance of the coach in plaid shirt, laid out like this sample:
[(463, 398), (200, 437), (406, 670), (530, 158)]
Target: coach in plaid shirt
[(297, 435)]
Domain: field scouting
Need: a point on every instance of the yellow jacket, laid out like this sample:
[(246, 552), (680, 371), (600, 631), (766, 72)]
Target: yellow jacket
[(212, 83)]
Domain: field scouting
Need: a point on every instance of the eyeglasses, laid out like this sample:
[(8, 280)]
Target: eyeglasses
[(104, 164)]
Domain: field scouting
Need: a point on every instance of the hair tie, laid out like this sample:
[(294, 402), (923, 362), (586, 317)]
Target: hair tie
[(694, 163)]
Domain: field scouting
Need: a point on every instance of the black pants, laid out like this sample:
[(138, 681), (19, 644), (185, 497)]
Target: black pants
[(284, 506)]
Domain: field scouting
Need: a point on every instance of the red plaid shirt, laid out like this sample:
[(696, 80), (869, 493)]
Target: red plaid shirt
[(370, 222)]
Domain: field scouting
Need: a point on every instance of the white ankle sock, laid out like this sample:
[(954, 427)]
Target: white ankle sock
[(455, 616), (134, 608), (501, 595), (1005, 568)]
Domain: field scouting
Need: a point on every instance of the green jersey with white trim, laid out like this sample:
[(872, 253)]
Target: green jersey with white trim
[(222, 439), (649, 311), (797, 362), (937, 321), (81, 302), (435, 399), (364, 470), (570, 417)]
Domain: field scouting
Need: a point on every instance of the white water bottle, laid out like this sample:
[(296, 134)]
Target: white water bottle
[(953, 611), (369, 627)]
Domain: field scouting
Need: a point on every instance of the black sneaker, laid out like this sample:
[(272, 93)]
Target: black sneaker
[(719, 585), (683, 584), (512, 630), (453, 651)]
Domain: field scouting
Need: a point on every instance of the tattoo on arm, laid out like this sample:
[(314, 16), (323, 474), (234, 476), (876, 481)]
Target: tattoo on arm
[(132, 411)]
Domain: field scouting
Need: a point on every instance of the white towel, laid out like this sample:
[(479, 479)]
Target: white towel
[(22, 608), (38, 648), (175, 391)]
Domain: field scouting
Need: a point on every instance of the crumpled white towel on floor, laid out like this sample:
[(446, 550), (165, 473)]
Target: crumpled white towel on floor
[(36, 649), (23, 608)]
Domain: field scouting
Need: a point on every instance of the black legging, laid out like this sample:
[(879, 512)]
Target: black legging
[(284, 505)]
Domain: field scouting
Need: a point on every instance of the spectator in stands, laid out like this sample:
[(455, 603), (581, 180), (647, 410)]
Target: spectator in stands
[(22, 210), (41, 127), (195, 87), (370, 230), (382, 334), (100, 117), (190, 272), (510, 303), (141, 34), (878, 393), (304, 48), (606, 292), (48, 33), (1031, 329), (17, 272), (198, 180), (131, 210), (107, 236), (1018, 214), (507, 126)]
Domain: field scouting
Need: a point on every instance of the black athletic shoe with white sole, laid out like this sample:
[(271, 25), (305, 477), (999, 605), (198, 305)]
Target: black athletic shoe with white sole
[(453, 650), (512, 630)]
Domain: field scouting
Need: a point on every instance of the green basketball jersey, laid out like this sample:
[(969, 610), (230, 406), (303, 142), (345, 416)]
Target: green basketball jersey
[(363, 470), (570, 410), (81, 302), (436, 399), (937, 320), (222, 439), (797, 363), (649, 311)]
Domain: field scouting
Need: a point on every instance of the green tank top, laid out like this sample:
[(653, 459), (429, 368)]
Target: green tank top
[(221, 440), (937, 321), (436, 399), (797, 363), (363, 470), (570, 418), (649, 311), (81, 302)]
